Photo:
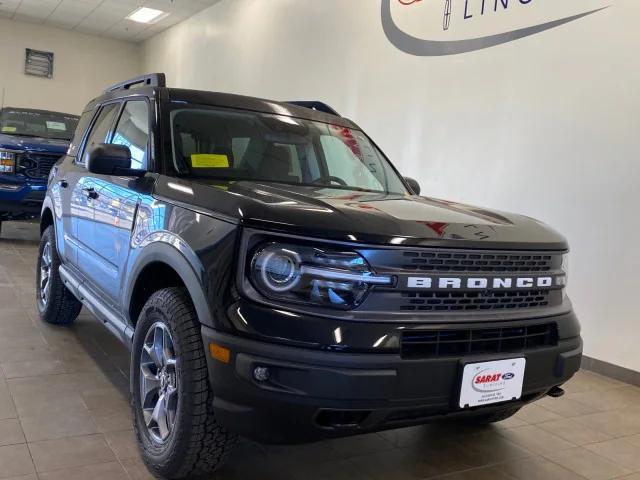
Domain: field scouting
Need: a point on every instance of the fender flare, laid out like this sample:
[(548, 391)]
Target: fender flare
[(47, 204), (185, 263)]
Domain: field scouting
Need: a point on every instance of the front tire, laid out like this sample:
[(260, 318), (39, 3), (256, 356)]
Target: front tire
[(56, 304), (172, 400)]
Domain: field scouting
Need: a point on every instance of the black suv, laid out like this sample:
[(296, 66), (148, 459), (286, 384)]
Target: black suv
[(276, 278)]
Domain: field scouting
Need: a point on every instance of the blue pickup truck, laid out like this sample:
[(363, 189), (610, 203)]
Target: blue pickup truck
[(31, 142)]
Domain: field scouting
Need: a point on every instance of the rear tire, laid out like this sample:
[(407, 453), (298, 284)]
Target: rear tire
[(175, 425), (56, 304)]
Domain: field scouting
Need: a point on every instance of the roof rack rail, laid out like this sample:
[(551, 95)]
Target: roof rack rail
[(151, 80), (315, 105)]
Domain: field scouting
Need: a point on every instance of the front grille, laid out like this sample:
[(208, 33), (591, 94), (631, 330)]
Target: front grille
[(36, 165), (475, 262), (434, 264), (484, 300), (461, 342)]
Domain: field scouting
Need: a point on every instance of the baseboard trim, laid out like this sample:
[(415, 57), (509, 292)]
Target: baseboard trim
[(610, 370)]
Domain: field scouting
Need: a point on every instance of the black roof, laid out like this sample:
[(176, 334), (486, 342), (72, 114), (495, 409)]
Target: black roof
[(229, 100), (154, 83)]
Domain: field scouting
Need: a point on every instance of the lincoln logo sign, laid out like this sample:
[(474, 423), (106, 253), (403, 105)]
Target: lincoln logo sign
[(465, 10), (483, 283)]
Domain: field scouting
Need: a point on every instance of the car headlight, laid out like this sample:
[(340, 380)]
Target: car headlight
[(304, 274), (7, 161)]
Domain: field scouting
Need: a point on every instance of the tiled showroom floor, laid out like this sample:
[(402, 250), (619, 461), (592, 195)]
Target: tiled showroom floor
[(64, 414)]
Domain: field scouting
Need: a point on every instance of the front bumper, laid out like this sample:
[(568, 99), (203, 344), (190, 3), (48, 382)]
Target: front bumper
[(18, 197), (311, 395)]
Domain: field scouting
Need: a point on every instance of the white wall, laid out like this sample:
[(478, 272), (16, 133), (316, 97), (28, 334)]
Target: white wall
[(83, 66), (547, 126)]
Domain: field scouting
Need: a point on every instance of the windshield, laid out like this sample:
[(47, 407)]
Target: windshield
[(220, 144), (35, 123)]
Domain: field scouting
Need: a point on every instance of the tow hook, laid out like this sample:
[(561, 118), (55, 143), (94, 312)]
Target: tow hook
[(555, 392)]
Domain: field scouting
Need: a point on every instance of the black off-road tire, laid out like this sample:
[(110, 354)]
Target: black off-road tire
[(197, 445), (493, 417), (61, 307)]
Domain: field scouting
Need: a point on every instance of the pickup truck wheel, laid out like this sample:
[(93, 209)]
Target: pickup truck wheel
[(171, 397), (56, 304)]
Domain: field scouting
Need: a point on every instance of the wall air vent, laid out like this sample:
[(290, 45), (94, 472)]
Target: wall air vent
[(38, 63)]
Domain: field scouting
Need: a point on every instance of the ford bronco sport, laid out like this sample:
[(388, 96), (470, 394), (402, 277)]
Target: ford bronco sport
[(276, 278), (31, 141)]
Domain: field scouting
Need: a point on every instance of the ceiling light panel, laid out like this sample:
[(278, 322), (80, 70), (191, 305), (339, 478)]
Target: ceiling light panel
[(106, 18), (147, 15)]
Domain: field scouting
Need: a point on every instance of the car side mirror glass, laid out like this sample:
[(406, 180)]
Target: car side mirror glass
[(111, 159), (413, 185)]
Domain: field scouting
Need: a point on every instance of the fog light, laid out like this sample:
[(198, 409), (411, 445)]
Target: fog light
[(261, 374)]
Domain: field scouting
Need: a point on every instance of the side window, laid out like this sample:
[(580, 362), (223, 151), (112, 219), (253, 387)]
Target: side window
[(133, 132), (100, 130), (83, 124)]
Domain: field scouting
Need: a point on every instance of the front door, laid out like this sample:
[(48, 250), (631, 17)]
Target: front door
[(61, 191), (78, 216), (116, 200)]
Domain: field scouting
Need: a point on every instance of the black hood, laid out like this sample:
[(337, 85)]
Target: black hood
[(361, 217)]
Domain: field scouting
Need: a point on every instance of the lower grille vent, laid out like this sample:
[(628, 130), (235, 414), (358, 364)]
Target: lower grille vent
[(460, 342)]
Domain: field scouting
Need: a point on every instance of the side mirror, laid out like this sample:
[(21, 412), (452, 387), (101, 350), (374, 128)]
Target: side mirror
[(413, 185), (111, 159)]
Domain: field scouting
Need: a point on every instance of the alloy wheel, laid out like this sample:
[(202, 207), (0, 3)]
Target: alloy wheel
[(159, 382), (46, 262)]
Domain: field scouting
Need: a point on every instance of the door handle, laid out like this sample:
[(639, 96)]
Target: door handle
[(63, 183), (90, 193)]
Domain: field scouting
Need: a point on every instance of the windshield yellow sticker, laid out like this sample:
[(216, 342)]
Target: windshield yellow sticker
[(9, 129), (209, 160)]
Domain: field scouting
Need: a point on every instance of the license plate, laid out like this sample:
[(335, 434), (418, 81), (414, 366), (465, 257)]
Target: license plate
[(492, 382)]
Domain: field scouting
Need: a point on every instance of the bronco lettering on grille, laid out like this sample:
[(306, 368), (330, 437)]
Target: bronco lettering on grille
[(482, 283)]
